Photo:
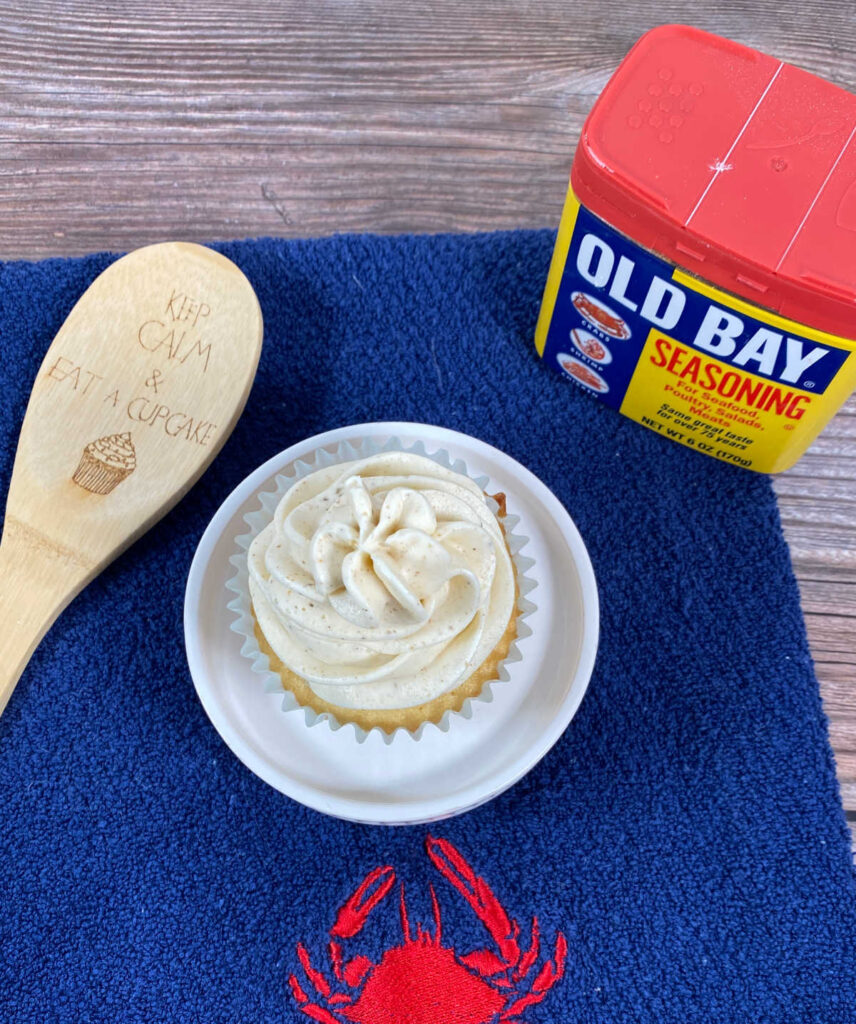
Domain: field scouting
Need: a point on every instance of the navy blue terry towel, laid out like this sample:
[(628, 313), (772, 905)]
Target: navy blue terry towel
[(682, 848)]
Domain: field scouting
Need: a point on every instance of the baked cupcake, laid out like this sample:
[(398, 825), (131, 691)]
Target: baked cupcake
[(105, 463), (383, 592)]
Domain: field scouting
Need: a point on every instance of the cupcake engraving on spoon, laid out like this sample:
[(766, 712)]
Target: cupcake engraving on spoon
[(137, 393)]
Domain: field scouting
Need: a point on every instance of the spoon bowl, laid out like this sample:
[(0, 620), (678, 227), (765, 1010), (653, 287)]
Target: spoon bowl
[(137, 393)]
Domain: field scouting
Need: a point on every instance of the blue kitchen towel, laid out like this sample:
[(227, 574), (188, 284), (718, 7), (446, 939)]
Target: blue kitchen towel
[(683, 847)]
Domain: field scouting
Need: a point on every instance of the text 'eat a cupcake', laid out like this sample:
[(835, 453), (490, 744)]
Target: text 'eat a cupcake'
[(173, 421)]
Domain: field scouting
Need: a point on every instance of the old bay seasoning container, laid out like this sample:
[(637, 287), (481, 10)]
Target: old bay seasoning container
[(704, 276)]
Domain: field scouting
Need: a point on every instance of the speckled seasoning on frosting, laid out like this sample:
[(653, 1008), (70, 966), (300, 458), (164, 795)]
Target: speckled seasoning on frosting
[(383, 582)]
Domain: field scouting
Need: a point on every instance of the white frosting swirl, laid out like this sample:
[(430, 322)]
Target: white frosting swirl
[(115, 450), (383, 582)]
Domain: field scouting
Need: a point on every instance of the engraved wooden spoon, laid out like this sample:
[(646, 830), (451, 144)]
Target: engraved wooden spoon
[(136, 395)]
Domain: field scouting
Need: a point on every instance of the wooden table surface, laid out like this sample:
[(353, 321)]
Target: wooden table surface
[(123, 124)]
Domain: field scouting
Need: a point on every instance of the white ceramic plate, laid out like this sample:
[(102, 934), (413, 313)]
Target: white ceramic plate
[(442, 773)]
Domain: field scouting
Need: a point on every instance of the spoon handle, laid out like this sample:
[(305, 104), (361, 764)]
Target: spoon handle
[(37, 580)]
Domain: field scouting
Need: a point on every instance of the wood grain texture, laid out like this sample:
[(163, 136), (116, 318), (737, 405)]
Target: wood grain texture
[(123, 123), (137, 393)]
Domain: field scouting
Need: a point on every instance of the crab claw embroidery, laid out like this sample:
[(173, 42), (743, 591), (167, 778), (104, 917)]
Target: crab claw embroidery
[(424, 980)]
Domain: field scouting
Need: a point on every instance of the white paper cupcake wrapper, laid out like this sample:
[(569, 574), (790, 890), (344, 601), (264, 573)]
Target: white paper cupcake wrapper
[(244, 624)]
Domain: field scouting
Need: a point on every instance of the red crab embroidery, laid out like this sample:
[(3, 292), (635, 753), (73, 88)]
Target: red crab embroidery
[(422, 981)]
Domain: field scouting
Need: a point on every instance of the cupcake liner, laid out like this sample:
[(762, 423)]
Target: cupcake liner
[(244, 622), (96, 476)]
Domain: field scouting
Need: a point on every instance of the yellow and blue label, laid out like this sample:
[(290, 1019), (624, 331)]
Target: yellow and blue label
[(694, 363)]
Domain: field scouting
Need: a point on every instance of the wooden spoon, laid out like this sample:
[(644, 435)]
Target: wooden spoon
[(136, 395)]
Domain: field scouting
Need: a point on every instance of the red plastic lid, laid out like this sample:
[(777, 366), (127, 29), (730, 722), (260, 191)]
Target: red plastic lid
[(731, 164)]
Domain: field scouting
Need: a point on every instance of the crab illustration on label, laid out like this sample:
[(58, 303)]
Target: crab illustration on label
[(424, 980)]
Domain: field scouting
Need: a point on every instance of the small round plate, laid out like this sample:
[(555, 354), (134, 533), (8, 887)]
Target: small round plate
[(442, 773)]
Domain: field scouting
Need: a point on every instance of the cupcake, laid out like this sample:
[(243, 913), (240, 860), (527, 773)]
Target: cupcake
[(383, 592), (105, 463)]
